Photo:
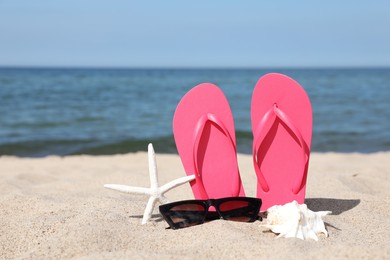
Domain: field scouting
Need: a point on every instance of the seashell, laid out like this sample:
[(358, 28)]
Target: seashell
[(295, 220)]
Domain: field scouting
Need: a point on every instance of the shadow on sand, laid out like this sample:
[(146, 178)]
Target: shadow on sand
[(155, 217), (337, 206)]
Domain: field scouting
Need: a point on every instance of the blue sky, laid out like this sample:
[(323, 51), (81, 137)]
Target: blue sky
[(201, 33)]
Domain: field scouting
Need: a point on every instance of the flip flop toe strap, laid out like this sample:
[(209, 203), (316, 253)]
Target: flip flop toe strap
[(199, 128), (261, 133)]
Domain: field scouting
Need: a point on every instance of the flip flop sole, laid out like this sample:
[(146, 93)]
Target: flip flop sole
[(281, 117), (204, 133)]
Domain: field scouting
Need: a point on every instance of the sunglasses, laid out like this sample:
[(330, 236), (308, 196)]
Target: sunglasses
[(188, 213)]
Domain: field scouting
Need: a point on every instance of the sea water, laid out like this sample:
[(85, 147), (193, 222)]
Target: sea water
[(46, 111)]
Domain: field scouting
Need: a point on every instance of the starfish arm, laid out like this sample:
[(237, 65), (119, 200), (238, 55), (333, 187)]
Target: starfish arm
[(149, 209), (172, 184), (155, 192), (152, 167), (128, 189)]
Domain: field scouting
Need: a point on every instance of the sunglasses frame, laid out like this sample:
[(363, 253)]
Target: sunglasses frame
[(165, 210)]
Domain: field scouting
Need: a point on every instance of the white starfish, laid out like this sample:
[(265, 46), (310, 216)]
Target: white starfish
[(155, 192)]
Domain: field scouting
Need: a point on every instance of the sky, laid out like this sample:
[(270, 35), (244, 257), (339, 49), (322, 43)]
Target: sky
[(173, 33)]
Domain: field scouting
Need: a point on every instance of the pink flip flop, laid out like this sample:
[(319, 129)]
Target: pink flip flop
[(281, 117), (204, 133)]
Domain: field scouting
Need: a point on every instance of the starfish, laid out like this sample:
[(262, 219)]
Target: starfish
[(155, 192)]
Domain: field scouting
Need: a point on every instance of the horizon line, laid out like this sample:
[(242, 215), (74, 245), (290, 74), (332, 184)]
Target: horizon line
[(190, 67)]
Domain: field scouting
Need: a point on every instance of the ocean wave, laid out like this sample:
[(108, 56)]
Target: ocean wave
[(166, 144)]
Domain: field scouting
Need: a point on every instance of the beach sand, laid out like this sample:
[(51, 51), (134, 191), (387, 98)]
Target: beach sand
[(56, 207)]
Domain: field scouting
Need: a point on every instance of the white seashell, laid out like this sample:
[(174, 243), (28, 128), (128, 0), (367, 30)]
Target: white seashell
[(295, 220)]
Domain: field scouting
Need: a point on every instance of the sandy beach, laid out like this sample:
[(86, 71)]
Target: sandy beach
[(56, 207)]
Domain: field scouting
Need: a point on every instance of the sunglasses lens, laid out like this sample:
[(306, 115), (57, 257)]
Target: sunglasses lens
[(193, 212), (239, 210), (185, 215)]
